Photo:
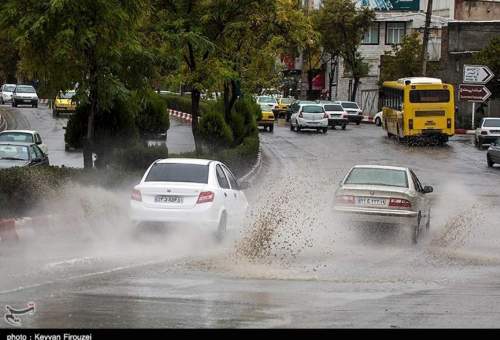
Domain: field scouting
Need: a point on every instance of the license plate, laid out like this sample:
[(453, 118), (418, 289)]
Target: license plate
[(373, 201), (168, 199)]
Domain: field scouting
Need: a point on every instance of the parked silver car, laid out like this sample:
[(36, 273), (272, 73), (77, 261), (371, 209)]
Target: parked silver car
[(493, 154), (6, 93), (373, 194)]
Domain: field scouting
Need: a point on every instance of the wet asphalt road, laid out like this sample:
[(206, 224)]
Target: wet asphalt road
[(292, 264)]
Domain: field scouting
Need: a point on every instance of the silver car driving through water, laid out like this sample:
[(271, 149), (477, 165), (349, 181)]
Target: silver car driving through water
[(373, 194)]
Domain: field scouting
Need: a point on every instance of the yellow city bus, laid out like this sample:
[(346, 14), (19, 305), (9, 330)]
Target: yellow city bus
[(418, 108)]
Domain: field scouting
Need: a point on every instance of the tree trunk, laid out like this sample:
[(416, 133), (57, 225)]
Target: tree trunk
[(195, 112), (354, 89), (88, 145)]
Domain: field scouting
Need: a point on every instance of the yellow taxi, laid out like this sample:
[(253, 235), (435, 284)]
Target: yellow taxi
[(64, 102), (267, 119), (282, 107)]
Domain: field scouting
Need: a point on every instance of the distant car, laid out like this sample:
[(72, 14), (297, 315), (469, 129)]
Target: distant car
[(309, 116), (337, 116), (194, 192), (267, 100), (64, 102), (6, 93), (24, 95), (372, 194), (267, 120), (282, 107), (354, 112), (24, 136), (493, 154), (14, 154), (294, 107), (379, 118), (487, 132)]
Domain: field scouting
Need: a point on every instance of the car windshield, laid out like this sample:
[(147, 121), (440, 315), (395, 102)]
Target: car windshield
[(178, 172), (16, 137), (312, 109), (9, 88), (67, 95), (25, 89), (376, 176), (14, 152), (334, 107), (286, 100), (491, 123), (267, 100), (349, 105), (265, 107)]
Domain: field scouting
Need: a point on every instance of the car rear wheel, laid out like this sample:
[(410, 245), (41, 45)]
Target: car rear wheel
[(298, 128), (378, 122), (292, 128), (428, 224), (358, 122), (343, 126), (14, 104), (325, 130), (1, 100), (271, 128)]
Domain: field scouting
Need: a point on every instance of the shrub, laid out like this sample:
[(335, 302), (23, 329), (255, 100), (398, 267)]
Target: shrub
[(215, 131), (136, 158), (23, 190), (152, 117)]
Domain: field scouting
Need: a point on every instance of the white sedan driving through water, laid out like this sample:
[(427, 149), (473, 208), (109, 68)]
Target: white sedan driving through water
[(197, 192), (384, 195)]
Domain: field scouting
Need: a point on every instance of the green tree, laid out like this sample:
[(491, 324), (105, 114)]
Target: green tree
[(403, 61), (9, 58), (92, 43), (489, 56), (341, 26)]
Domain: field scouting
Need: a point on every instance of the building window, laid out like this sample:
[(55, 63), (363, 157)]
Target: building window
[(371, 36), (394, 33)]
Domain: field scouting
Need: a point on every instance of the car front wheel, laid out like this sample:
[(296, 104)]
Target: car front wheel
[(325, 130), (378, 122), (416, 230), (490, 162)]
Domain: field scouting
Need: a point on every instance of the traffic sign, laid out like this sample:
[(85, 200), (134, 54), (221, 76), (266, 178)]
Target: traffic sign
[(473, 93), (477, 74)]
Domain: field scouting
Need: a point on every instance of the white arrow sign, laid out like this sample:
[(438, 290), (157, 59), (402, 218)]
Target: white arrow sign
[(477, 74)]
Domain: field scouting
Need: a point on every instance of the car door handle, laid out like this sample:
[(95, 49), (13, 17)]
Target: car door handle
[(225, 194)]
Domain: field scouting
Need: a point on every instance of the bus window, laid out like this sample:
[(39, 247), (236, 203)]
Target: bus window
[(429, 96)]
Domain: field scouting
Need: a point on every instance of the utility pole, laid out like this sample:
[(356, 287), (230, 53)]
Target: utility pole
[(425, 41)]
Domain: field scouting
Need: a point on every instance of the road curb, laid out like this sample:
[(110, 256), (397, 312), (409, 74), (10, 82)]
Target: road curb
[(12, 229), (253, 172), (187, 117)]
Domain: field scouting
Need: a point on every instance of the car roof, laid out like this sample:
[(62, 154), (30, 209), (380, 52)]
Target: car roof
[(345, 101), (20, 131), (494, 118), (195, 161), (9, 84), (17, 143), (386, 167)]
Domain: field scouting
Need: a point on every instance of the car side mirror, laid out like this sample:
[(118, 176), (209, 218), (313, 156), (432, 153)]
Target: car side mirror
[(36, 160), (428, 189), (244, 185)]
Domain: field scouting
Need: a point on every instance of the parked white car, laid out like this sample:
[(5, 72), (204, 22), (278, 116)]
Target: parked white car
[(6, 93), (193, 192), (24, 95), (309, 116), (354, 112), (487, 132), (374, 194), (24, 136), (378, 119)]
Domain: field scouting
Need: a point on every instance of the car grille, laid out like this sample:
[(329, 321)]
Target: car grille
[(495, 131)]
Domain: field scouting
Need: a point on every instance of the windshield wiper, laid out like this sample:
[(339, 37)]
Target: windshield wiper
[(13, 159)]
